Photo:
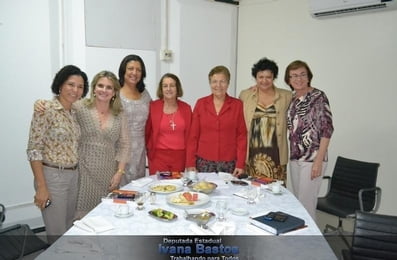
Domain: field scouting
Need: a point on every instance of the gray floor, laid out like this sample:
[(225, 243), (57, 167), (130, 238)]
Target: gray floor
[(335, 241), (337, 244)]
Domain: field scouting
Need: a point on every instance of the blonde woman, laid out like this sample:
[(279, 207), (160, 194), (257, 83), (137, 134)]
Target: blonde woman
[(104, 146)]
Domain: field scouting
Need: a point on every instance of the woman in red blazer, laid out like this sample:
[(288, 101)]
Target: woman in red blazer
[(218, 136), (167, 127)]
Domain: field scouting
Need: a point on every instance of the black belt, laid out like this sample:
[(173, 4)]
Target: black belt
[(60, 167)]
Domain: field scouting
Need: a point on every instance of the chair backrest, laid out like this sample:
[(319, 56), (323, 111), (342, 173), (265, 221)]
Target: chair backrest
[(19, 240), (350, 176), (2, 213), (374, 237)]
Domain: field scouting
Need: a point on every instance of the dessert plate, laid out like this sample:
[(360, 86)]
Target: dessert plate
[(178, 200)]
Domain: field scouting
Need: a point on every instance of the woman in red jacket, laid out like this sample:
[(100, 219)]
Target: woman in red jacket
[(167, 127), (218, 136)]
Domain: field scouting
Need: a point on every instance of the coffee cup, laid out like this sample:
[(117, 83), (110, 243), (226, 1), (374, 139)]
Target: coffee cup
[(276, 187), (123, 209)]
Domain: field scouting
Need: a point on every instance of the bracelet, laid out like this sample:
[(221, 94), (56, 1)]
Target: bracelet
[(120, 171)]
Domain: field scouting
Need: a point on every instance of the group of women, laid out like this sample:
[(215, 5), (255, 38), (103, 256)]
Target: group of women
[(80, 149)]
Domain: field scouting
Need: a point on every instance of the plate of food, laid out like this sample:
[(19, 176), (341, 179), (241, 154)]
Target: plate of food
[(187, 199), (165, 187), (203, 186), (163, 215)]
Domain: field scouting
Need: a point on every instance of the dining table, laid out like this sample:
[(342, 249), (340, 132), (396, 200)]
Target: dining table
[(139, 234)]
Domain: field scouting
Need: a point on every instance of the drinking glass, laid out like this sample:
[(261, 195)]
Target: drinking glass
[(252, 193), (140, 201), (221, 209), (185, 178)]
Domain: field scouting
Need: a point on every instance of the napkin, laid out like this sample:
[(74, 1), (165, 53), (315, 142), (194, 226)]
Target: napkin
[(224, 228), (200, 231), (96, 224), (218, 228), (141, 182)]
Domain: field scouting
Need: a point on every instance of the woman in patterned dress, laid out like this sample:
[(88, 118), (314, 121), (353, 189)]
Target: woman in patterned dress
[(310, 128), (135, 99), (265, 110), (104, 147)]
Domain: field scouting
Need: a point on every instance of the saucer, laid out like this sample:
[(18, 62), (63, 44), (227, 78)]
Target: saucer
[(129, 214), (239, 211)]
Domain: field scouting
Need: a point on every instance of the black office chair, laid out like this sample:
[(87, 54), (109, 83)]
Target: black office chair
[(374, 237), (18, 240), (352, 187)]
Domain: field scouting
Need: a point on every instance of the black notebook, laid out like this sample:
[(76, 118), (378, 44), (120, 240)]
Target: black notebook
[(277, 227)]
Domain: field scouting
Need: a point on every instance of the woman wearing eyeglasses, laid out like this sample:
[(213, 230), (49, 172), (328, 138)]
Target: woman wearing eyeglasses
[(310, 128), (265, 112), (218, 136)]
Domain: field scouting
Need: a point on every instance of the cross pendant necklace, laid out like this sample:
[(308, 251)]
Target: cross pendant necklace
[(172, 122), (173, 125)]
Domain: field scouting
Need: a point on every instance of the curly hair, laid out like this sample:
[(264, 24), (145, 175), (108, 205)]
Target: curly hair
[(264, 64)]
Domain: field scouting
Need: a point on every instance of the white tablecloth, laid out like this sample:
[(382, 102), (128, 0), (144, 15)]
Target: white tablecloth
[(143, 224)]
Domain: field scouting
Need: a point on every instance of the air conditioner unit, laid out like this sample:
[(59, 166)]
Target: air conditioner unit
[(327, 8)]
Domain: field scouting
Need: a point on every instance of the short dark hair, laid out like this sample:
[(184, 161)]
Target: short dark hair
[(123, 67), (297, 64), (179, 91), (63, 75), (264, 64)]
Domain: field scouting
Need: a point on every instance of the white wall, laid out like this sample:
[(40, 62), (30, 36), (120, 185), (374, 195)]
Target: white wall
[(38, 37), (202, 34), (26, 73), (353, 59)]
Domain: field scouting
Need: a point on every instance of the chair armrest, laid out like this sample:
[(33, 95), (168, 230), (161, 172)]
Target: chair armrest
[(328, 178), (378, 194)]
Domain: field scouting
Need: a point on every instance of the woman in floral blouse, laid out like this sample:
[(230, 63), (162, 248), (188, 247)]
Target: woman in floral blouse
[(52, 152), (310, 129)]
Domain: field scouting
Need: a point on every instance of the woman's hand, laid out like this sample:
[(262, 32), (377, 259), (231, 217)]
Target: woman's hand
[(317, 169), (41, 197), (115, 181), (237, 172), (254, 88), (40, 106)]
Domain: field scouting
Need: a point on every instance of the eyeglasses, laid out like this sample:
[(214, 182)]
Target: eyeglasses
[(296, 76)]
